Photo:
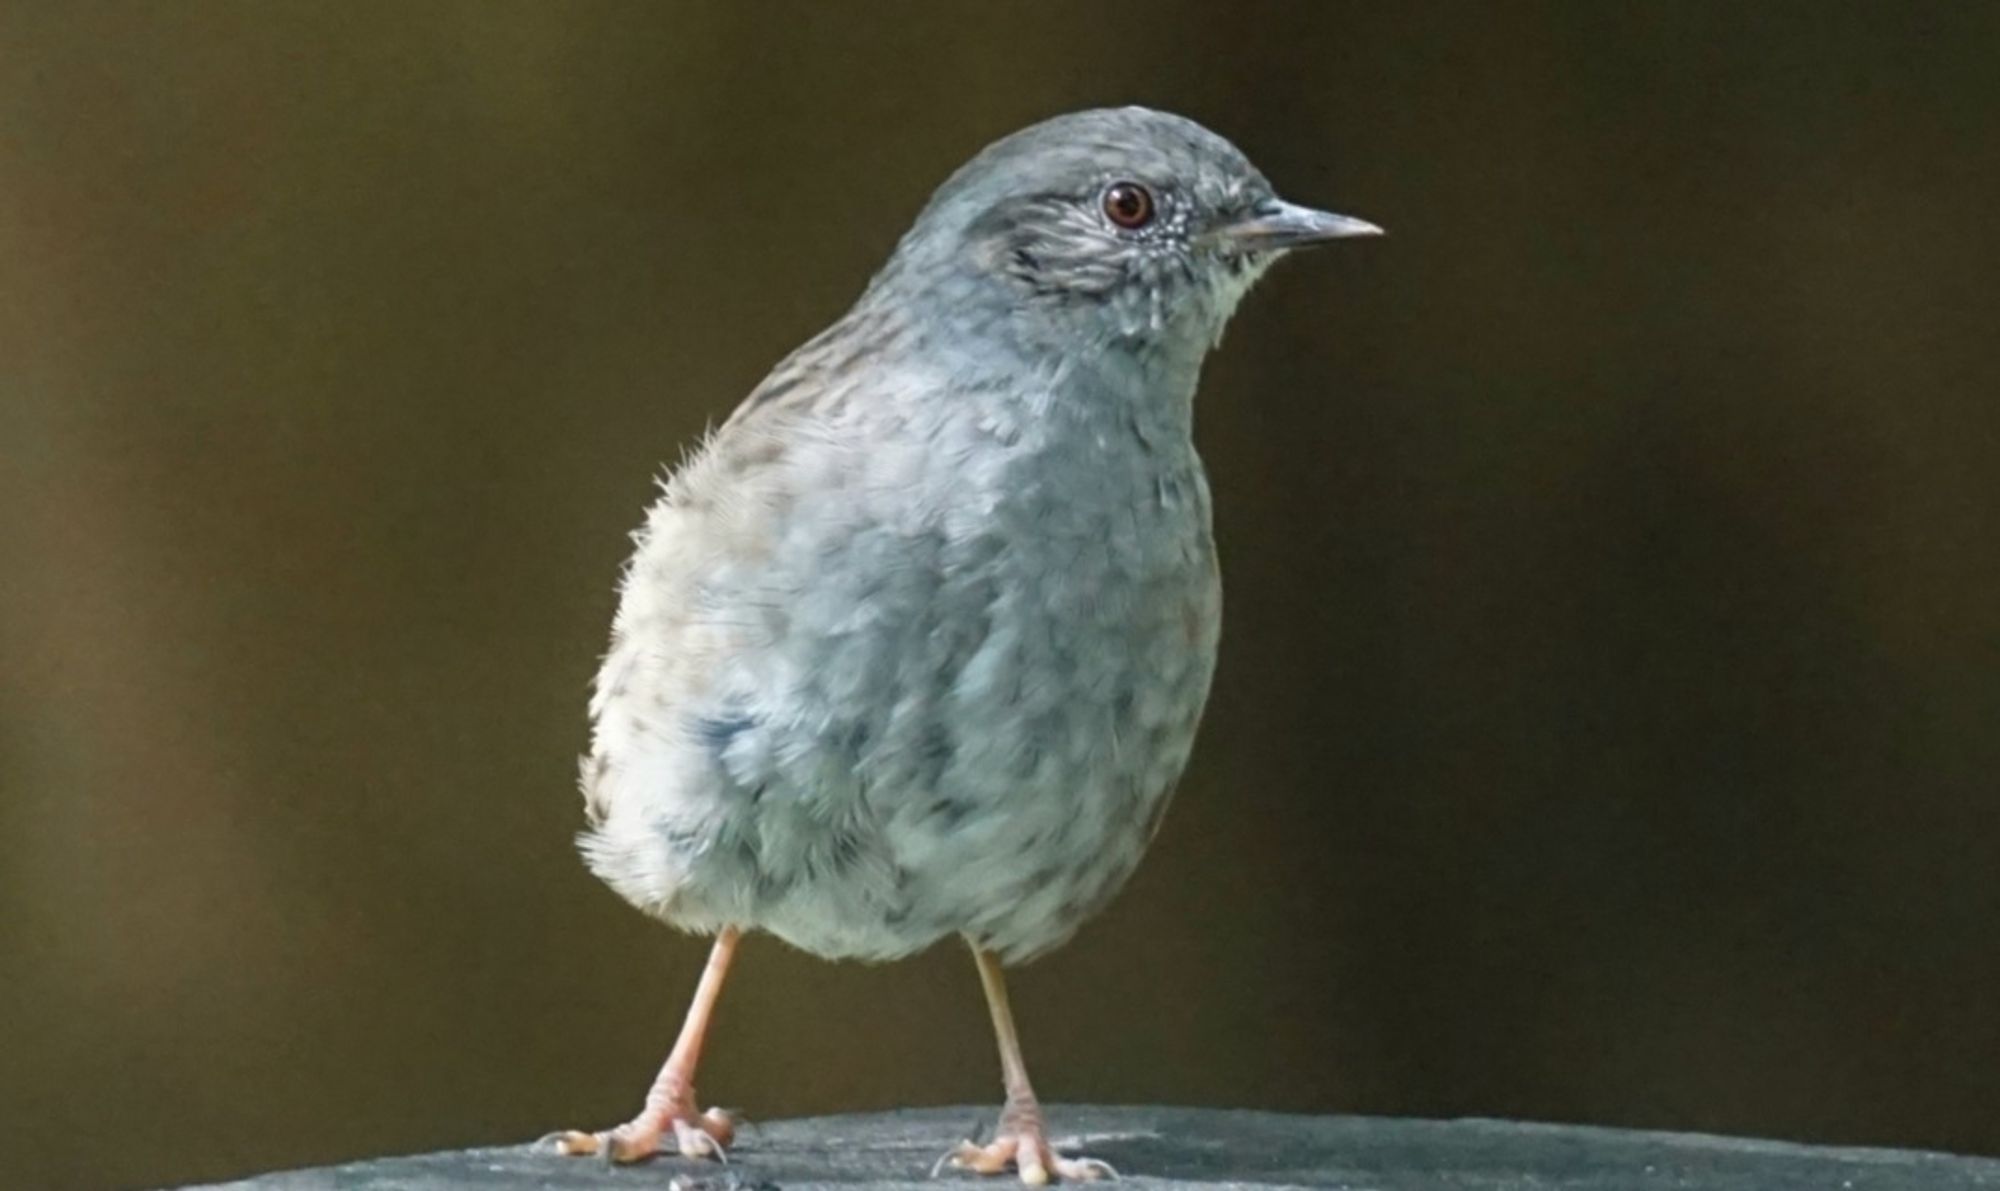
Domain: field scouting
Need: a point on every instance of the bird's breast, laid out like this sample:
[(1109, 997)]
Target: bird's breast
[(938, 676)]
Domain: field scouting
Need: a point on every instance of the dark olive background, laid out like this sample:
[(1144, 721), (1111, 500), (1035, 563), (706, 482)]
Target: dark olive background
[(1609, 713)]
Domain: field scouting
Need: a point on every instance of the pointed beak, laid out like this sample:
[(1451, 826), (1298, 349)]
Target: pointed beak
[(1277, 225)]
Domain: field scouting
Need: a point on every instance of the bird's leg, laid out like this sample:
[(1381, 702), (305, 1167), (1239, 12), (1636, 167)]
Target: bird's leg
[(1022, 1140), (671, 1120)]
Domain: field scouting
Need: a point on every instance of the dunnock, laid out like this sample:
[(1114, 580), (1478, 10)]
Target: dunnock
[(916, 643)]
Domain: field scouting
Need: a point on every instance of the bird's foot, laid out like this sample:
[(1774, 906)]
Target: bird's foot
[(1023, 1144), (677, 1129)]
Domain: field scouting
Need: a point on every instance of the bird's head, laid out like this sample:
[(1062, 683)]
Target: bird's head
[(1117, 224)]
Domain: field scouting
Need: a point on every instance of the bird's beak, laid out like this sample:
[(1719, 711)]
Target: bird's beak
[(1276, 225)]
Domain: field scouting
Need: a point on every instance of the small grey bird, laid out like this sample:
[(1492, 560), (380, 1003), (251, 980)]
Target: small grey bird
[(915, 644)]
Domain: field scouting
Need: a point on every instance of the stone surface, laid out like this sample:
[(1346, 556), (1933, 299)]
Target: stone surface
[(1182, 1147)]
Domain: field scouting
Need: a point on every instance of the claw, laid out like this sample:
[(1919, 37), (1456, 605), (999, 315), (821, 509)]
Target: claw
[(573, 1143), (1028, 1160), (1086, 1170), (696, 1142)]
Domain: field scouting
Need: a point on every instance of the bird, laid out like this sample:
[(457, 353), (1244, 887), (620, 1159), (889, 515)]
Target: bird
[(914, 645)]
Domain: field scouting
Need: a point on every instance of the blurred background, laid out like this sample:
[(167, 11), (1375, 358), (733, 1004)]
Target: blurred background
[(1608, 720)]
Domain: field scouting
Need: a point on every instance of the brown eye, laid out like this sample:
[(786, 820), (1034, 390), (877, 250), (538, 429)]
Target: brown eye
[(1128, 204)]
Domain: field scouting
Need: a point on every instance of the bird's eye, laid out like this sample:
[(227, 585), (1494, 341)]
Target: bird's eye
[(1128, 204)]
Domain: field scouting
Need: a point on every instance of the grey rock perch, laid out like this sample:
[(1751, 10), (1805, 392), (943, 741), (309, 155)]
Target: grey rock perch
[(1187, 1147)]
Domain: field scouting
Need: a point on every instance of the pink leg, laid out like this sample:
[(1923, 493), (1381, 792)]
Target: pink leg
[(670, 1105), (1022, 1140)]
